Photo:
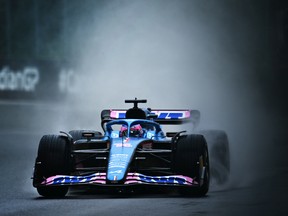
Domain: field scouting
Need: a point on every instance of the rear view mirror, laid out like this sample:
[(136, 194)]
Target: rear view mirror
[(171, 134)]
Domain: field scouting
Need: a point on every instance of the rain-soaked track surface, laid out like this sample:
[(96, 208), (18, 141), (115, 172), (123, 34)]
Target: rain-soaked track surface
[(18, 197)]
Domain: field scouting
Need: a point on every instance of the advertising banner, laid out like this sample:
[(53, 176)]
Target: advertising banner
[(35, 80)]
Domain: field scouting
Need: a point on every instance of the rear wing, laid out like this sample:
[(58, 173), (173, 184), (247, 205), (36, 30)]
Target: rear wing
[(162, 116)]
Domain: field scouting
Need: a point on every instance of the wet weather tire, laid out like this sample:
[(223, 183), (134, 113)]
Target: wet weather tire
[(192, 159), (53, 159)]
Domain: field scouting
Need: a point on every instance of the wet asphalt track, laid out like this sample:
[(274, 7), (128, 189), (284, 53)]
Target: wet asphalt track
[(18, 197)]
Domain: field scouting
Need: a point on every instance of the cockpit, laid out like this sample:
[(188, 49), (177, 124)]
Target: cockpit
[(133, 128)]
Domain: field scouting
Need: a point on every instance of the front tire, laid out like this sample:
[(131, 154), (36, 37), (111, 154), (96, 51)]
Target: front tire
[(53, 158), (192, 159)]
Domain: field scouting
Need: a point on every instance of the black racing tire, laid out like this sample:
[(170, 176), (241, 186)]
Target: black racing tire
[(218, 145), (53, 191), (105, 115), (77, 134), (54, 158), (189, 151)]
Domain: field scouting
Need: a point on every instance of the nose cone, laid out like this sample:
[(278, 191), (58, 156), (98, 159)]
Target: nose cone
[(121, 154)]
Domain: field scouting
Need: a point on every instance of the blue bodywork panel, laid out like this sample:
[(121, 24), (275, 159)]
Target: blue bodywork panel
[(123, 147)]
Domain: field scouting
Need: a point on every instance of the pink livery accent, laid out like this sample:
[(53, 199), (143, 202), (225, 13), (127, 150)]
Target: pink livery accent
[(131, 178), (162, 114), (96, 178), (115, 113), (137, 178)]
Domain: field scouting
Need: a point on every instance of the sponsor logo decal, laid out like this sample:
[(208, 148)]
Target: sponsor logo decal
[(169, 115), (114, 135), (116, 171), (126, 145), (25, 80), (118, 161)]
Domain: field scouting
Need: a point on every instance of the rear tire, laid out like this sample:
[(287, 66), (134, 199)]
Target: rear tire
[(190, 152), (53, 159)]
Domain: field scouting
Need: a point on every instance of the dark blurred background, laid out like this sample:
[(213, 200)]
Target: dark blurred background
[(45, 32)]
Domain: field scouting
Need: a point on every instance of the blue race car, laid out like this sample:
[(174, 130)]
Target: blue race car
[(133, 151)]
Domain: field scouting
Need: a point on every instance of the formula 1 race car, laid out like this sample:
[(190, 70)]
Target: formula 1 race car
[(133, 151)]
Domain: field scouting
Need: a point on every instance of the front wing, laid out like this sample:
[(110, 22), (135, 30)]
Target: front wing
[(131, 179)]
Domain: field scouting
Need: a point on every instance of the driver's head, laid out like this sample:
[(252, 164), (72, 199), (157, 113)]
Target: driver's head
[(136, 131)]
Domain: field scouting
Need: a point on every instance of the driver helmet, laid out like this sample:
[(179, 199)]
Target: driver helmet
[(135, 131)]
